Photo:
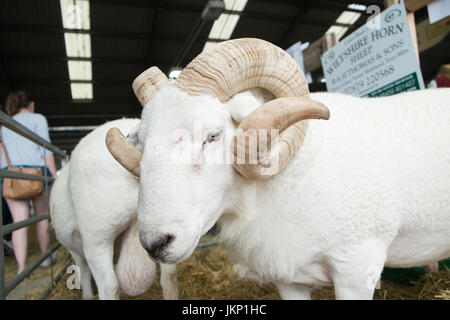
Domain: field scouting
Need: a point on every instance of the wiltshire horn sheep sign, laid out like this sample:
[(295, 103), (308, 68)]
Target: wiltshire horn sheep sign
[(378, 59)]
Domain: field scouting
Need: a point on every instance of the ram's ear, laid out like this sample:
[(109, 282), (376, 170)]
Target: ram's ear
[(244, 103), (133, 137)]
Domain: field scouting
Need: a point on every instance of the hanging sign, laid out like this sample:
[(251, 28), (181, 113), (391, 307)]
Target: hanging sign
[(378, 59)]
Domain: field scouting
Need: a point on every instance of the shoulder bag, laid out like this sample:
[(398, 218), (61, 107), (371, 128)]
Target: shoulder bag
[(21, 189)]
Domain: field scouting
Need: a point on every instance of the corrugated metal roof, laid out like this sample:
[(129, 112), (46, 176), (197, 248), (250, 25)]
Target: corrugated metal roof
[(119, 17), (127, 36)]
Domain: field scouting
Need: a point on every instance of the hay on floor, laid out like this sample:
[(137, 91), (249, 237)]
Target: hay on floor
[(39, 273), (208, 275)]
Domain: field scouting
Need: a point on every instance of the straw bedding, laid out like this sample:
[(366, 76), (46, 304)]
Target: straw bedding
[(209, 274)]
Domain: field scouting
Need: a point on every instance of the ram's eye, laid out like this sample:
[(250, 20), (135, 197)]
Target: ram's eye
[(214, 136)]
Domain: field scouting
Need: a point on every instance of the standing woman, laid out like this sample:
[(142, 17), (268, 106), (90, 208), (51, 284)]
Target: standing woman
[(23, 152)]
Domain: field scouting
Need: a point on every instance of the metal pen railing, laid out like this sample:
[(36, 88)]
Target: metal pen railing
[(6, 288)]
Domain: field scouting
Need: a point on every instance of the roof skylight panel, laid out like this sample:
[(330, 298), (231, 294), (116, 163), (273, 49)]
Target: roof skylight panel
[(76, 16)]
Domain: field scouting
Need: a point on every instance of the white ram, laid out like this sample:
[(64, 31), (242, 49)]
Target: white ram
[(325, 203), (94, 203)]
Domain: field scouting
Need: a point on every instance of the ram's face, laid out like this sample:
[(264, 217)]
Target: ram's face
[(184, 171), (181, 151)]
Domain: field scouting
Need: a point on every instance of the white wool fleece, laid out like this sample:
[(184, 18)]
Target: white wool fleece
[(375, 177), (94, 204), (369, 187)]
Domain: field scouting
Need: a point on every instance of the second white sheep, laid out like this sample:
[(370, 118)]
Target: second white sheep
[(94, 203)]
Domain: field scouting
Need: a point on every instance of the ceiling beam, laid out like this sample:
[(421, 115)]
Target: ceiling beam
[(337, 7), (65, 107), (163, 5), (364, 2), (87, 102), (4, 77), (128, 3), (189, 7), (91, 116), (46, 81), (58, 58), (193, 35), (100, 33), (55, 30), (298, 19), (77, 119), (304, 8), (157, 16)]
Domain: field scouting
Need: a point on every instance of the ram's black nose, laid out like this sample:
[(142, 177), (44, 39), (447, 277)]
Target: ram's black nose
[(158, 245)]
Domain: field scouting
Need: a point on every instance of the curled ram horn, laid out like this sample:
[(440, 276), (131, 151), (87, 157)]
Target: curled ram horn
[(123, 151), (236, 65), (241, 64), (144, 86), (276, 149), (147, 83)]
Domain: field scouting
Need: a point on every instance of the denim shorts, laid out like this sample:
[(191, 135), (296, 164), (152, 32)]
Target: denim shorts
[(45, 172)]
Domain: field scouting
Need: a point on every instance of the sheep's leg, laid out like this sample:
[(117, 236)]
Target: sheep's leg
[(294, 291), (357, 270), (169, 281), (85, 275), (100, 261)]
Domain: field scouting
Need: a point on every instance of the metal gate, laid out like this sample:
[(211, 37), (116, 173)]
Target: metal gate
[(6, 288)]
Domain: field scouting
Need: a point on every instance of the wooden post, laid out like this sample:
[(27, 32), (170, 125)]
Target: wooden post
[(311, 55), (428, 35), (388, 3), (414, 5), (412, 29)]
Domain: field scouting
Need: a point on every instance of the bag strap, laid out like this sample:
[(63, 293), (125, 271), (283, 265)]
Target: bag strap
[(6, 154)]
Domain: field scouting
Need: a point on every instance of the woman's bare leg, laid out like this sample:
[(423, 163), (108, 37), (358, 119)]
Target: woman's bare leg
[(20, 210), (40, 207)]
